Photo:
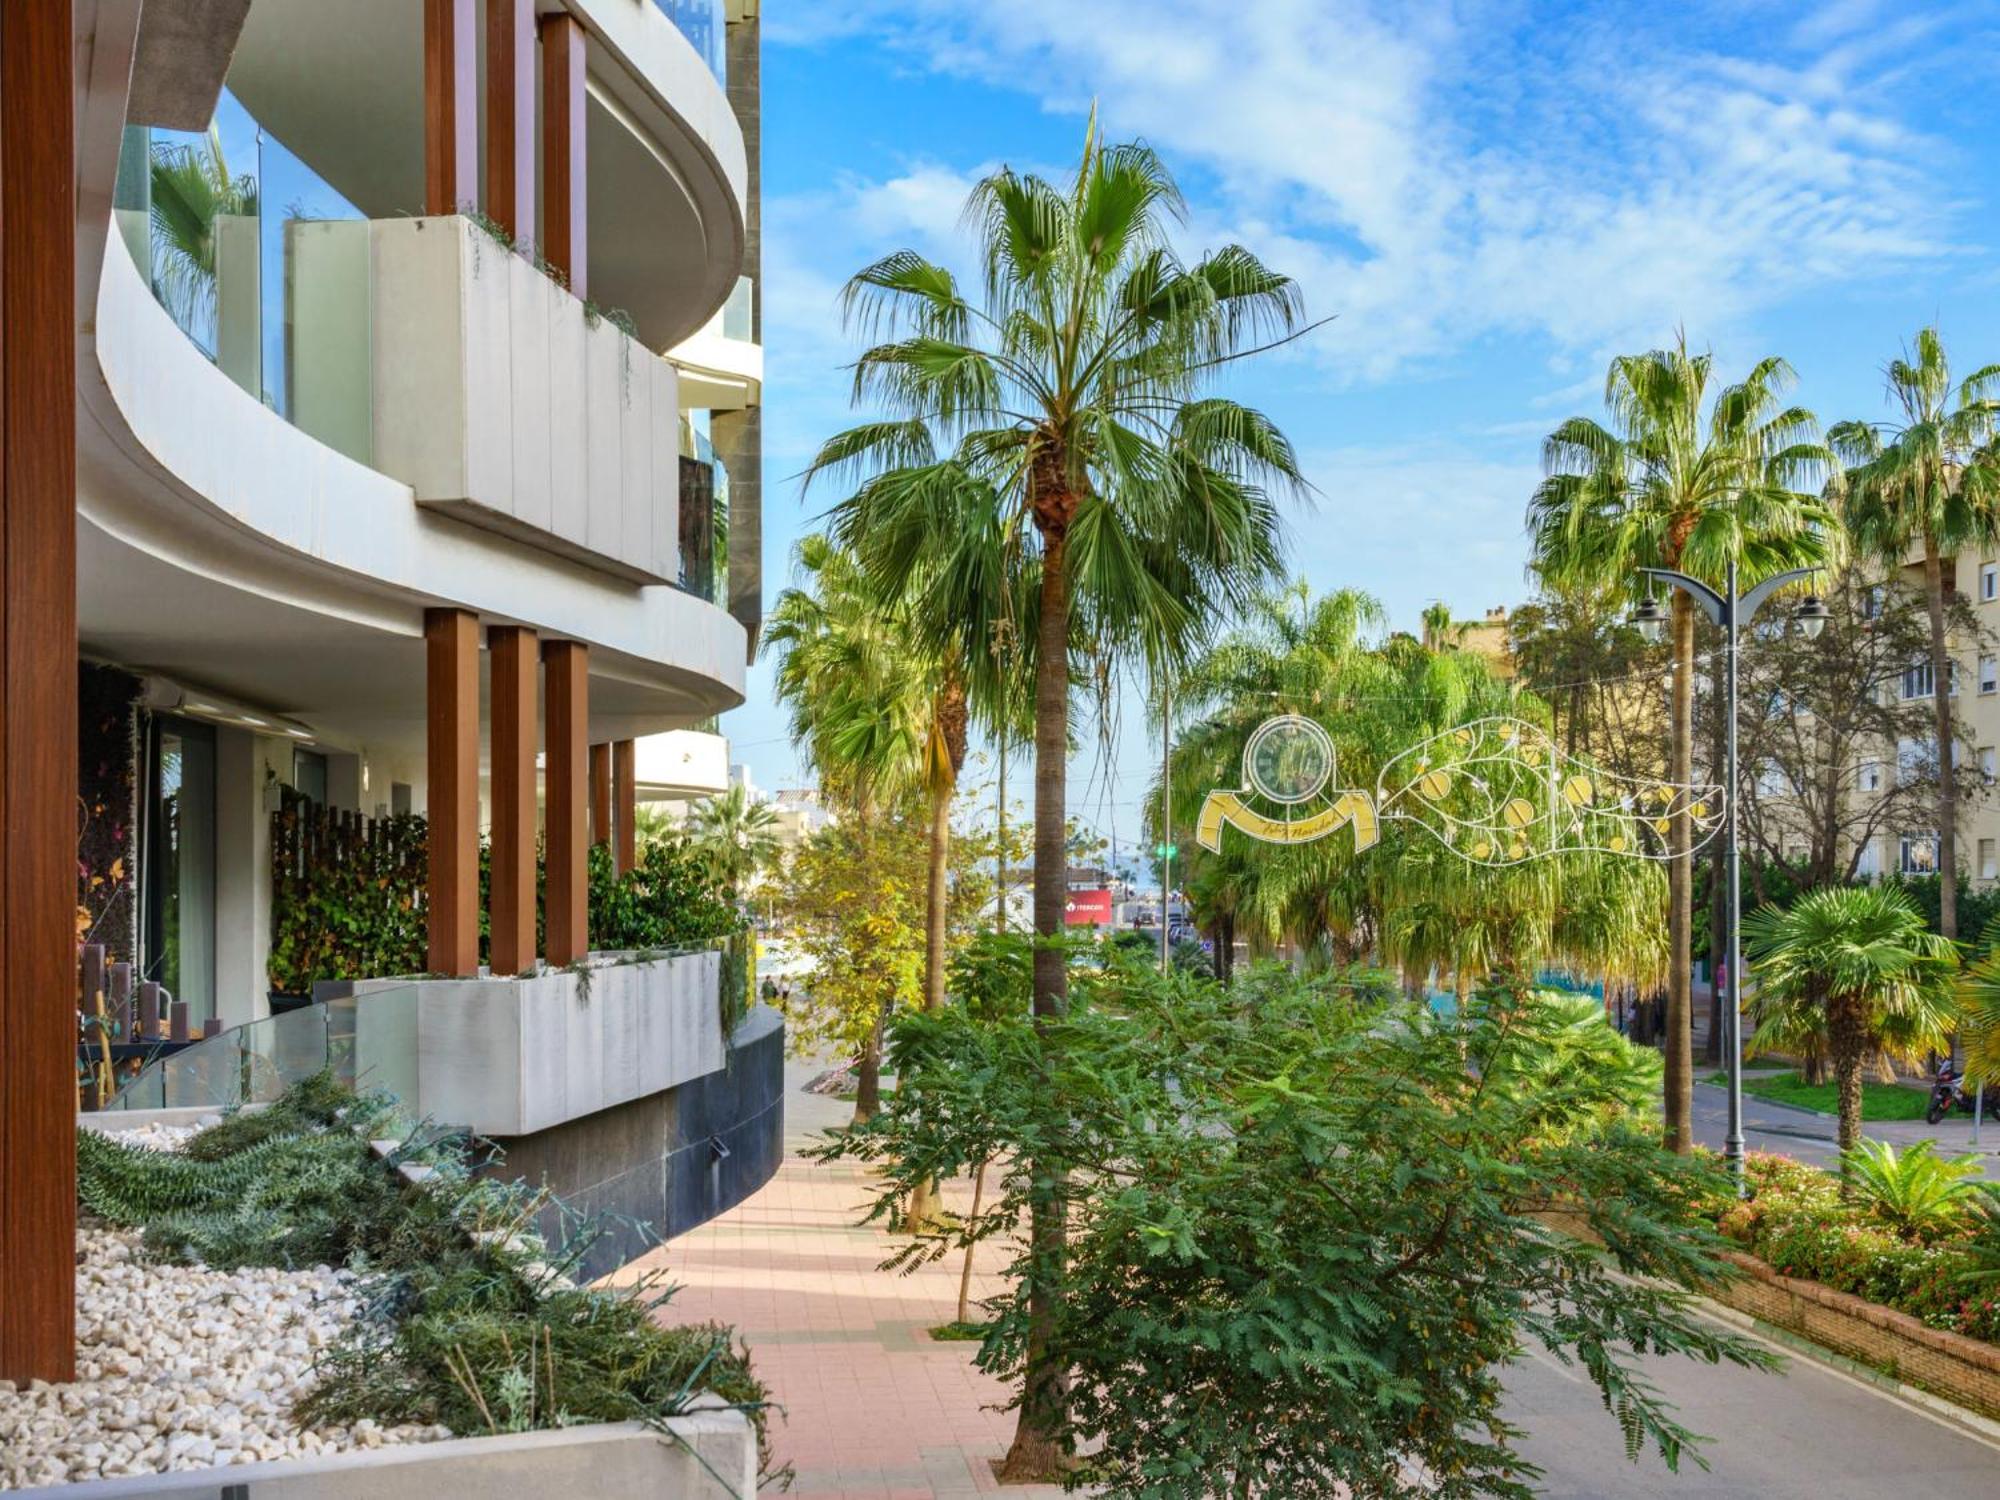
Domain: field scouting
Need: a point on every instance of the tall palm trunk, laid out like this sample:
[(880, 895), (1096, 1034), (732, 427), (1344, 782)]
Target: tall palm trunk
[(926, 1206), (1679, 1045), (1947, 767), (1038, 1450)]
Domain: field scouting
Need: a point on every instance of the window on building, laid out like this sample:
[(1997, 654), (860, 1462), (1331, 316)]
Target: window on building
[(1918, 680), (1869, 865), (1989, 762), (1913, 761), (1917, 853), (1772, 780), (309, 770), (1989, 674), (1989, 582), (1869, 777), (1871, 603), (1989, 860)]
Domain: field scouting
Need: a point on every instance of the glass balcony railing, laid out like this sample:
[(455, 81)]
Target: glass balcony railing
[(704, 23), (704, 517), (263, 265), (739, 313)]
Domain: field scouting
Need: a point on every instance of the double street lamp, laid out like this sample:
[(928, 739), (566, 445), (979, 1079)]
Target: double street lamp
[(1732, 611)]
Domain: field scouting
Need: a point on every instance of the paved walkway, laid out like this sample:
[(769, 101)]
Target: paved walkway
[(874, 1410)]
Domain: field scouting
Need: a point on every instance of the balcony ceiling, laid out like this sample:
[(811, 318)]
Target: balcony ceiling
[(341, 87)]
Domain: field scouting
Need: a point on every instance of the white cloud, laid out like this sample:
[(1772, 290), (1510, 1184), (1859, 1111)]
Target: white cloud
[(1435, 177)]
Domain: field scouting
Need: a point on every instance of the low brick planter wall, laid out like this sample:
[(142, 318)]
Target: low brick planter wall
[(1962, 1370)]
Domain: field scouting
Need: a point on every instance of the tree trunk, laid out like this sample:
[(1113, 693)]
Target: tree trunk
[(971, 1225), (1844, 1041), (1039, 1452), (868, 1085), (1679, 1041), (1947, 766)]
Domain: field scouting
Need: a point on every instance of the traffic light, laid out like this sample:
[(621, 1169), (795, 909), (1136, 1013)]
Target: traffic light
[(1165, 851)]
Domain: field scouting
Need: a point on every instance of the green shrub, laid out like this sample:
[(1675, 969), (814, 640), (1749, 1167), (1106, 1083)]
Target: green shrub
[(1915, 1192), (472, 1323)]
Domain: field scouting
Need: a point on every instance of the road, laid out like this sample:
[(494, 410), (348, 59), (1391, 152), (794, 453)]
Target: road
[(1806, 1432), (1810, 1137)]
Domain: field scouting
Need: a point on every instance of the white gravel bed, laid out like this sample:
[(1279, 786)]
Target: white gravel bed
[(162, 1137), (182, 1367)]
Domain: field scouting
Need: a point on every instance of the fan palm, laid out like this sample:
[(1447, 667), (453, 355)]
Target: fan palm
[(1926, 482), (192, 190), (1692, 478), (737, 837), (1076, 385), (1855, 970)]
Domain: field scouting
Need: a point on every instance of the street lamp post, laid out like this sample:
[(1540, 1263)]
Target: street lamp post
[(1731, 611)]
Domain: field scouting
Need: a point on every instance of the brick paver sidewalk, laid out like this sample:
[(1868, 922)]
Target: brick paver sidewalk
[(874, 1410)]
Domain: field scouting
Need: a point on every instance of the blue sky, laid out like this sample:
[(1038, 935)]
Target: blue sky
[(1489, 198)]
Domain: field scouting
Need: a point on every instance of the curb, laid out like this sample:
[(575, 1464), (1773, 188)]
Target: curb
[(1970, 1423)]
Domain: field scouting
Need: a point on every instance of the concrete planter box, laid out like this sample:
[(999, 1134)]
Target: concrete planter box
[(510, 1057), (711, 1454), (498, 401)]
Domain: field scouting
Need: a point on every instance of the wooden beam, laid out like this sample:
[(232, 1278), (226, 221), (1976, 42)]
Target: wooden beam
[(624, 773), (565, 244), (600, 793), (510, 116), (451, 118), (451, 735), (38, 707), (566, 670), (514, 667)]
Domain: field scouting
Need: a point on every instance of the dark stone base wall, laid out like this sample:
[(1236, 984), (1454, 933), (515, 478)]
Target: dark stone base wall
[(659, 1166)]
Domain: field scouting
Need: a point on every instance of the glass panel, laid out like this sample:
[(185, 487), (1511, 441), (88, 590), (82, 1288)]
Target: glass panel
[(262, 264), (739, 312), (703, 23), (178, 861)]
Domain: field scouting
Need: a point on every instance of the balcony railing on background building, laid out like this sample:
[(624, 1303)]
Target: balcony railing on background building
[(705, 24), (262, 264), (739, 313)]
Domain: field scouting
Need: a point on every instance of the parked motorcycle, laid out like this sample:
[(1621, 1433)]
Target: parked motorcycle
[(1949, 1092)]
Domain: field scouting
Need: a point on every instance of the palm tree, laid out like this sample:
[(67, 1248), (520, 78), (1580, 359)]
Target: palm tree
[(1927, 482), (191, 190), (1854, 970), (1075, 384), (1690, 478), (845, 672), (736, 836)]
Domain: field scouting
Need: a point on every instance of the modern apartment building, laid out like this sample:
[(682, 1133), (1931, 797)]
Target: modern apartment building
[(379, 426), (423, 366)]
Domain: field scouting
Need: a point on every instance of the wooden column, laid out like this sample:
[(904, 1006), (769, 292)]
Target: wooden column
[(624, 774), (38, 710), (564, 243), (451, 118), (451, 733), (510, 115), (566, 670), (600, 793), (514, 667)]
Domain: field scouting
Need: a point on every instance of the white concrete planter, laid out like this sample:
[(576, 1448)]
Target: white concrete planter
[(499, 402), (510, 1057), (712, 1454)]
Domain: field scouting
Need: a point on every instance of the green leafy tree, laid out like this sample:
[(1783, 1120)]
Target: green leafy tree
[(1689, 477), (192, 189), (1930, 482), (1850, 971), (1077, 384), (1268, 1291)]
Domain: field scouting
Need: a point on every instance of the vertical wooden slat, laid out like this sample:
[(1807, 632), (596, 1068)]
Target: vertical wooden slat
[(510, 115), (38, 706), (566, 682), (451, 121), (452, 742), (600, 793), (564, 242), (625, 800), (515, 669)]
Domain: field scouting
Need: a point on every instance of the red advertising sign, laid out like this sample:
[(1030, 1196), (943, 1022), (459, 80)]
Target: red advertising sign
[(1088, 908)]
